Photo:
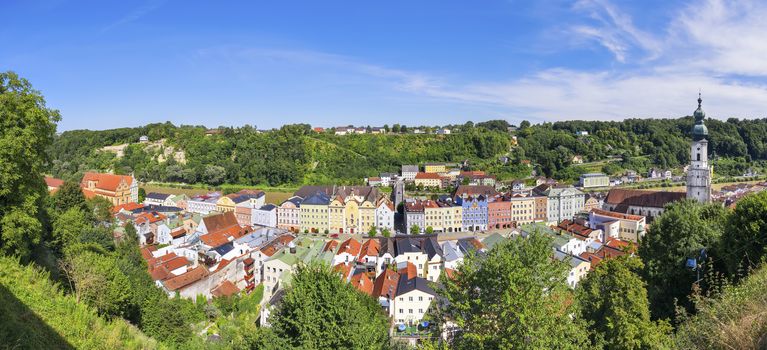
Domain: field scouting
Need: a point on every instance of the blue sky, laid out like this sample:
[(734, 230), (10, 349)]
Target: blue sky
[(108, 64)]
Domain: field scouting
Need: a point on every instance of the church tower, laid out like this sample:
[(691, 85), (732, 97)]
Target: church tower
[(699, 173)]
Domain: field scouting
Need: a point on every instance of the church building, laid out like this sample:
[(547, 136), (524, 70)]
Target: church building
[(652, 203)]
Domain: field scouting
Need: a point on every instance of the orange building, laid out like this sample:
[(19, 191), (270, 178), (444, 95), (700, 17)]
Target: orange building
[(119, 189)]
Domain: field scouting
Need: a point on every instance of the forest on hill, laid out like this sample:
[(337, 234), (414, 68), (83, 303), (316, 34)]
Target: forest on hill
[(296, 155)]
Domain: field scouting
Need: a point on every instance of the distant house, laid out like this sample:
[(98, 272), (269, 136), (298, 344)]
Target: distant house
[(343, 130), (409, 172), (377, 130), (143, 139), (53, 184), (266, 216), (386, 178), (443, 131), (374, 181), (577, 159), (413, 298), (428, 180), (582, 133), (517, 185), (592, 180), (155, 198), (318, 129)]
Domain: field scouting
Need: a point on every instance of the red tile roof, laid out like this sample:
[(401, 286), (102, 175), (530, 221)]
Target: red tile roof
[(53, 182), (351, 246), (616, 215), (362, 282), (226, 288), (427, 176), (179, 232), (371, 247), (127, 206), (386, 284), (623, 198), (149, 217), (344, 269), (224, 236), (220, 222), (186, 278), (108, 182)]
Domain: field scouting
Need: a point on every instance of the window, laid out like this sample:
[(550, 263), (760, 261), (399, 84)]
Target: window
[(410, 299), (410, 311), (420, 298), (401, 311)]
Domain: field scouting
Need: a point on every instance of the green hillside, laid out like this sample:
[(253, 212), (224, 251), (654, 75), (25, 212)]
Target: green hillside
[(735, 320), (35, 314)]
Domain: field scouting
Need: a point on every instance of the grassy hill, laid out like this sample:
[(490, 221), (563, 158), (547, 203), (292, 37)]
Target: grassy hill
[(736, 320), (35, 314)]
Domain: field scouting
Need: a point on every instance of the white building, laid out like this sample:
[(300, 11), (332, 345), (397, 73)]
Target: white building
[(409, 172), (414, 296), (699, 173), (385, 214), (264, 216), (563, 201)]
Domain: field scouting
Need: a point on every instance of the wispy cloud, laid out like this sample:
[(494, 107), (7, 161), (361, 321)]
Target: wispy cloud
[(135, 14)]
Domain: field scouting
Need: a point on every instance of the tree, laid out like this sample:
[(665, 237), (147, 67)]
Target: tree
[(142, 193), (414, 230), (524, 125), (372, 232), (69, 196), (386, 128), (101, 209), (514, 297), (317, 296), (27, 129), (678, 234), (744, 242), (68, 227), (214, 174), (395, 128), (97, 281), (613, 300), (386, 233), (429, 230)]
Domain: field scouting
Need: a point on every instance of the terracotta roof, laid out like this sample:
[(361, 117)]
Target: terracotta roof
[(108, 182), (186, 278), (574, 228), (146, 252), (226, 289), (616, 215), (127, 206), (274, 245), (410, 271), (450, 273), (149, 217), (362, 282), (371, 247), (592, 258), (351, 246), (220, 222), (475, 190), (179, 232), (344, 269), (427, 176), (386, 284), (224, 236), (330, 246), (53, 182), (623, 198)]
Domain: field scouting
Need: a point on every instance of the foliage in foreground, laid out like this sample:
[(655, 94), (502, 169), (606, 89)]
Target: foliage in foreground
[(737, 319), (613, 300), (319, 311), (36, 314), (515, 297)]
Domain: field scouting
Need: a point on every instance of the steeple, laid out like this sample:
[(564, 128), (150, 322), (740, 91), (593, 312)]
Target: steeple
[(699, 130)]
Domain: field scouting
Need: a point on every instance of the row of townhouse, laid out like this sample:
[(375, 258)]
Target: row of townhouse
[(479, 208), (336, 209)]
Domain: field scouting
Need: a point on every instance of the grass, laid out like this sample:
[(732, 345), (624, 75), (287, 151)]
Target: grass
[(36, 314)]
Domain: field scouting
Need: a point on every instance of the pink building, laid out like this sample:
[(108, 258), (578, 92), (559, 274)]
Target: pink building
[(498, 214), (289, 214)]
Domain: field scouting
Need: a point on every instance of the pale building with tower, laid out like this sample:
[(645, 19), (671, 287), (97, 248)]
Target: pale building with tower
[(699, 172)]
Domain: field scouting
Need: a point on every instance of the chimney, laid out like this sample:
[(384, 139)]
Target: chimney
[(292, 247)]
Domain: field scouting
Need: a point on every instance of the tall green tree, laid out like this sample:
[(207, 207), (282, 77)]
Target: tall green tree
[(27, 129), (69, 227), (613, 300), (680, 233), (515, 297), (319, 311), (69, 196), (744, 241)]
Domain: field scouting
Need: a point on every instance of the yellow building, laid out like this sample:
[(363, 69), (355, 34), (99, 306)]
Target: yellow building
[(255, 199), (522, 209), (118, 189), (434, 168), (428, 180), (442, 217), (315, 213)]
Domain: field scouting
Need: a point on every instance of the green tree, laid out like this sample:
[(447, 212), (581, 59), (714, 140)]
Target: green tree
[(97, 281), (678, 234), (429, 230), (142, 191), (69, 196), (613, 300), (372, 232), (414, 230), (524, 125), (386, 233), (744, 241), (69, 227), (316, 296), (101, 209), (403, 129), (514, 297), (27, 129), (395, 128)]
